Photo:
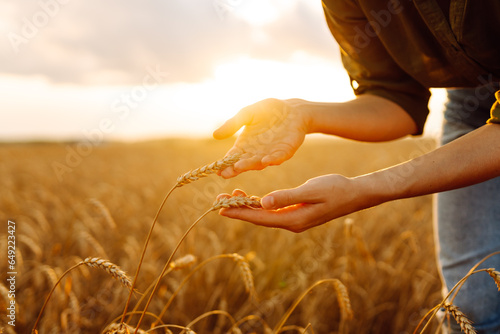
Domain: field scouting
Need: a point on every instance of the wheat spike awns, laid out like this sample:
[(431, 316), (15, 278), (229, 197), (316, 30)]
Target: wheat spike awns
[(110, 268), (462, 320), (237, 202), (206, 170)]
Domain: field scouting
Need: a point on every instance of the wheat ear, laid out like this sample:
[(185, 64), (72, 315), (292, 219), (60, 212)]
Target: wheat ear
[(343, 299), (462, 320), (181, 180), (110, 268), (432, 312), (335, 282), (108, 218), (186, 279), (473, 269), (235, 201), (181, 263), (496, 276), (206, 170), (246, 273)]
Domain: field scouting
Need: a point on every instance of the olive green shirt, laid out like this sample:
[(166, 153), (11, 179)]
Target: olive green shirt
[(398, 49)]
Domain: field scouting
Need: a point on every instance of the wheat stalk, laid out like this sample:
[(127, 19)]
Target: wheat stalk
[(345, 302), (235, 201), (432, 312), (462, 320), (110, 268), (181, 263), (306, 329), (206, 170), (298, 329), (211, 313), (186, 279), (186, 178), (122, 328), (252, 318)]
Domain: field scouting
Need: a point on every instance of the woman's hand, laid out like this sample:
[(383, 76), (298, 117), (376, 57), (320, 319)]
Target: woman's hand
[(316, 202), (468, 160), (274, 130)]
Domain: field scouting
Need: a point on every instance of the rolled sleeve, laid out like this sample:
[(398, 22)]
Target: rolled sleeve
[(495, 110), (371, 68), (395, 86)]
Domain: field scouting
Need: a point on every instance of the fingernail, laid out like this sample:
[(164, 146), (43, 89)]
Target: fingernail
[(268, 202)]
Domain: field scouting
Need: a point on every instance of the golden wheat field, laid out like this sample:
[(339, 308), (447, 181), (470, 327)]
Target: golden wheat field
[(102, 204)]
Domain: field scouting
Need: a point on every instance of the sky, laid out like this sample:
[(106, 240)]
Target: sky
[(133, 70)]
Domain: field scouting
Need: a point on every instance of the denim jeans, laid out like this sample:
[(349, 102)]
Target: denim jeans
[(468, 219)]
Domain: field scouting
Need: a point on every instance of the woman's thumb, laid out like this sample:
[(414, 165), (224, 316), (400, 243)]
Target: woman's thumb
[(229, 128), (281, 198)]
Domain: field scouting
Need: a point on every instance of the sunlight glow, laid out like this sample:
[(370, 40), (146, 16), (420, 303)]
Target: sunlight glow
[(247, 80), (261, 12), (180, 109)]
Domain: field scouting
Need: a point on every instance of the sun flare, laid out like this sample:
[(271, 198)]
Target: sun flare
[(246, 80)]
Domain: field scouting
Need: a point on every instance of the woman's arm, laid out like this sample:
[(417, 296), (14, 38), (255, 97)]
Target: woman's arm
[(468, 160), (367, 118), (275, 129)]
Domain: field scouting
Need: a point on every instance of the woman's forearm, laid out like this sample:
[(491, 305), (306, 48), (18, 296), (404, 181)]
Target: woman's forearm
[(366, 118), (468, 160)]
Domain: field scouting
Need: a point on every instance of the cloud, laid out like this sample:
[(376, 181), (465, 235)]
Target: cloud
[(114, 42)]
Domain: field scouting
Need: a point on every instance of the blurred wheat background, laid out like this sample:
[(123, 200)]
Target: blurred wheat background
[(104, 206)]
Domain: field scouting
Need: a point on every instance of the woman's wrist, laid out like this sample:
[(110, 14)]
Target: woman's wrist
[(304, 109), (374, 189), (315, 114)]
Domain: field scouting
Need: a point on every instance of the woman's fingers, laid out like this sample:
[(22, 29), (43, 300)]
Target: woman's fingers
[(232, 125), (251, 162), (239, 192), (280, 199), (221, 196), (276, 158), (293, 218)]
